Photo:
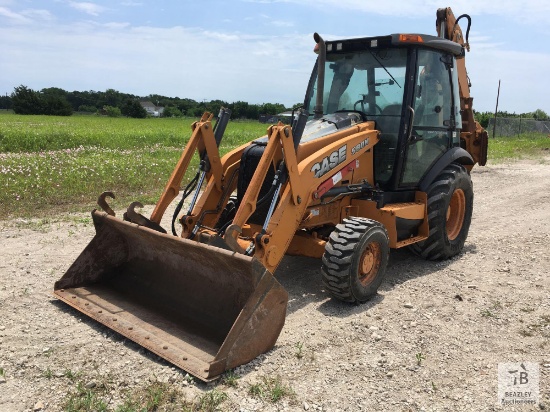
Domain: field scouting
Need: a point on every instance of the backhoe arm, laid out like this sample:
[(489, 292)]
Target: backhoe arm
[(473, 136)]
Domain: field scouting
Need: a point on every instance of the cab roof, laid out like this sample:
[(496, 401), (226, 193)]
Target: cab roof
[(394, 40)]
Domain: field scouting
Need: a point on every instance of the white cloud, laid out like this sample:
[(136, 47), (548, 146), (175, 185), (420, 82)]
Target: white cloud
[(14, 17), (225, 37), (209, 64), (26, 16), (86, 7), (282, 23), (173, 61), (38, 14), (116, 25), (517, 10)]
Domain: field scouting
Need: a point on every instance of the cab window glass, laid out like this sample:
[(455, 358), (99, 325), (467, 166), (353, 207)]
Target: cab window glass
[(432, 91), (366, 81), (432, 121)]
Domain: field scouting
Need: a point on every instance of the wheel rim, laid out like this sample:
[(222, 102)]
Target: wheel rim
[(455, 214), (369, 263)]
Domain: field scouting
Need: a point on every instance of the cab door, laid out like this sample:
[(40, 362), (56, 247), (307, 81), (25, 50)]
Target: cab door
[(434, 123)]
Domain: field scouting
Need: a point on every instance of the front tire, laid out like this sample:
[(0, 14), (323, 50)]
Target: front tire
[(355, 259), (450, 206)]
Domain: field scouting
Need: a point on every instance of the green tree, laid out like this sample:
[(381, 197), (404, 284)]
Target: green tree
[(540, 115), (55, 103), (86, 108), (111, 111), (272, 108), (5, 102), (483, 118), (133, 108), (184, 105), (56, 106), (113, 98), (214, 106), (54, 91), (195, 111), (26, 101), (171, 111), (253, 112), (239, 110), (86, 98)]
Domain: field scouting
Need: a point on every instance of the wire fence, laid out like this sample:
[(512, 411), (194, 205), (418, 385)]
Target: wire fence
[(513, 126)]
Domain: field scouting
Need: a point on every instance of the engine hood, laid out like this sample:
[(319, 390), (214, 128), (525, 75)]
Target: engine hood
[(330, 123)]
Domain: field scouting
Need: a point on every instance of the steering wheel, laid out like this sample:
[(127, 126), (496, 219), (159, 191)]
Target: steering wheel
[(362, 105), (362, 102)]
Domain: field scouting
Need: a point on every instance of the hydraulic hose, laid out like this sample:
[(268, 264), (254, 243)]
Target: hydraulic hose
[(186, 192)]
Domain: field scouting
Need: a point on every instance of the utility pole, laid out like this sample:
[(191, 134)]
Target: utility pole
[(496, 109)]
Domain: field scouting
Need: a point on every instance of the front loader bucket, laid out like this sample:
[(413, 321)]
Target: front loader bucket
[(199, 307)]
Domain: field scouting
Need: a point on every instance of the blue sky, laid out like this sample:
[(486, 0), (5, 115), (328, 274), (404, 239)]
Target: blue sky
[(254, 50)]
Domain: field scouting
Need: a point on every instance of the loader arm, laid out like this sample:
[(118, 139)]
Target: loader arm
[(220, 178), (201, 138), (211, 203), (304, 179), (474, 137)]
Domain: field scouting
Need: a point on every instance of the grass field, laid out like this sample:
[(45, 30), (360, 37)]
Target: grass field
[(524, 146), (51, 165)]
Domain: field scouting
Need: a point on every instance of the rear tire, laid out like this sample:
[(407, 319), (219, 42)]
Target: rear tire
[(450, 206), (355, 259)]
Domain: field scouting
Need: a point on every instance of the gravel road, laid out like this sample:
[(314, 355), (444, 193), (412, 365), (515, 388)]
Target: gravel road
[(430, 341)]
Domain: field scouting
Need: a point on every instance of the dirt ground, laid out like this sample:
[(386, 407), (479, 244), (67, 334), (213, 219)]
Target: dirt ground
[(430, 341)]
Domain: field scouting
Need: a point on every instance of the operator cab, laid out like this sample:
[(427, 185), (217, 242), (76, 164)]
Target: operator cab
[(401, 82)]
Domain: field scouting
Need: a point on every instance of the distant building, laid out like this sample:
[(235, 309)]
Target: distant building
[(152, 109)]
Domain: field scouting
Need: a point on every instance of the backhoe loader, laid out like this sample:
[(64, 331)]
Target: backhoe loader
[(378, 158)]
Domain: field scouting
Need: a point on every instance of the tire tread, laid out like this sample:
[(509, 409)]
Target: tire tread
[(338, 256)]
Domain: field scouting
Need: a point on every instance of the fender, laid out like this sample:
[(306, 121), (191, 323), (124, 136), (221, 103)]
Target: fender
[(456, 154)]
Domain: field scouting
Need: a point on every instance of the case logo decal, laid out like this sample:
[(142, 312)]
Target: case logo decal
[(330, 162)]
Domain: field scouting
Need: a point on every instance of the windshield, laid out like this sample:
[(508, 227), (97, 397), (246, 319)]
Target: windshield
[(366, 81)]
